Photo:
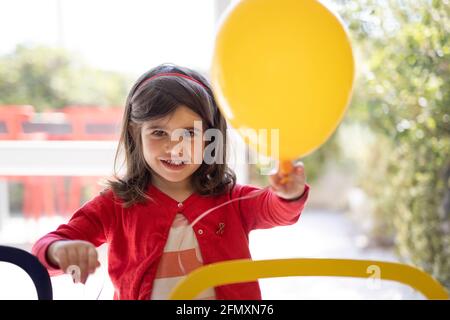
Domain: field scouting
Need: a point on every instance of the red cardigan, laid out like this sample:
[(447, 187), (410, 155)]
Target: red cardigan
[(137, 235)]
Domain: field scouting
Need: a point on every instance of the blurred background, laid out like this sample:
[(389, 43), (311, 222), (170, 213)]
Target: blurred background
[(380, 187)]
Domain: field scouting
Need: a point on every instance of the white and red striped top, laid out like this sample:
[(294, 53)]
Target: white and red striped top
[(180, 257)]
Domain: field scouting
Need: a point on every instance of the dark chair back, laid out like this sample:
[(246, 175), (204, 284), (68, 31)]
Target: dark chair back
[(31, 265)]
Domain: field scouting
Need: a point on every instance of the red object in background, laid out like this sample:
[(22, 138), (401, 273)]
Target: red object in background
[(90, 123), (93, 123), (11, 119), (37, 190), (75, 123)]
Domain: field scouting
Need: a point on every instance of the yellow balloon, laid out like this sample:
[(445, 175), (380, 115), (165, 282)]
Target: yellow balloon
[(283, 64)]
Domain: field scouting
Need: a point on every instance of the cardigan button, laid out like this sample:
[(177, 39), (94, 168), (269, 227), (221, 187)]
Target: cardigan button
[(200, 231), (180, 205)]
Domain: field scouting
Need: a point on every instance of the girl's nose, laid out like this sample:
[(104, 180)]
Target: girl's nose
[(174, 149), (176, 153)]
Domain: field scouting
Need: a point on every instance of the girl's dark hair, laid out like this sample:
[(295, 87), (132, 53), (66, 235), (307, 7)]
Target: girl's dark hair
[(158, 98)]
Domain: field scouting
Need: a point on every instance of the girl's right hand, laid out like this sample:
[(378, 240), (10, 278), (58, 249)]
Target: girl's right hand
[(76, 257)]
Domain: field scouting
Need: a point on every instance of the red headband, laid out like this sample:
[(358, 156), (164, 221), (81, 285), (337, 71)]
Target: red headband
[(173, 74)]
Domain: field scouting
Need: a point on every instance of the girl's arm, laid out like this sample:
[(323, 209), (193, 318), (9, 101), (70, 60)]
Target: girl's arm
[(90, 224), (278, 205)]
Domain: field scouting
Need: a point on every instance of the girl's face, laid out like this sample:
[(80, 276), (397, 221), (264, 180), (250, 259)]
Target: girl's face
[(173, 146)]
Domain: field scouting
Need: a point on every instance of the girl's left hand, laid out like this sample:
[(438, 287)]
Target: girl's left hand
[(291, 185)]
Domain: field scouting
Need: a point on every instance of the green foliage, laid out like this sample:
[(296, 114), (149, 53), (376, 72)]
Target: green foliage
[(316, 161), (403, 95), (53, 78)]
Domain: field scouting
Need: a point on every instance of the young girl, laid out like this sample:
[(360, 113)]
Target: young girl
[(150, 216)]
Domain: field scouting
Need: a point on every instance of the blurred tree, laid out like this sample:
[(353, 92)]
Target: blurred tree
[(52, 78), (404, 96)]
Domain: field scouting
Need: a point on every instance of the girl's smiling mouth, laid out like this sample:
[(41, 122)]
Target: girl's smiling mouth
[(173, 164)]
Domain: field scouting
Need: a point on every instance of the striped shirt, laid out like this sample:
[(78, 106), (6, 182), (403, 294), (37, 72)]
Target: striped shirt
[(181, 256)]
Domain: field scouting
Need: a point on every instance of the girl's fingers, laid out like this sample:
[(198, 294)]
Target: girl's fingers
[(83, 264), (279, 182), (288, 183), (92, 260), (298, 168), (76, 257), (72, 256), (72, 267), (61, 257), (286, 179), (298, 172)]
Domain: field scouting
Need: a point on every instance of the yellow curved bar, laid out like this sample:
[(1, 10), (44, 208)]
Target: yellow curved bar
[(245, 270)]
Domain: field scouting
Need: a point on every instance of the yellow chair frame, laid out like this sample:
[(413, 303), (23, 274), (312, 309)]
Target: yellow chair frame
[(245, 270)]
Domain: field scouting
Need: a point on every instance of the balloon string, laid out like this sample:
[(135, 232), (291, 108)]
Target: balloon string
[(84, 293), (101, 288), (204, 214)]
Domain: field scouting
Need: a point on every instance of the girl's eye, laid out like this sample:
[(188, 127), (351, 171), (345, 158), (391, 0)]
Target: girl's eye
[(158, 133), (186, 133), (190, 133)]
